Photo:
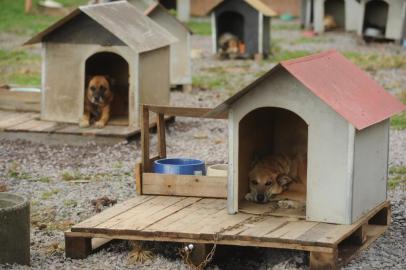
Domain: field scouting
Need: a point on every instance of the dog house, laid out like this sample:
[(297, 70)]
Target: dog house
[(248, 20), (182, 8), (382, 19), (344, 13), (181, 70), (325, 106), (112, 39)]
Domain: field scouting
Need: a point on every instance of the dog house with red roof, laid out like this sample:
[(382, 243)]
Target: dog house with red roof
[(112, 39), (325, 106), (248, 20)]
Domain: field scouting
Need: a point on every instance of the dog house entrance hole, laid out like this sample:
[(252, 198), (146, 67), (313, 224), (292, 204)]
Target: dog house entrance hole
[(169, 4), (267, 131), (336, 9), (375, 18), (116, 67), (232, 23)]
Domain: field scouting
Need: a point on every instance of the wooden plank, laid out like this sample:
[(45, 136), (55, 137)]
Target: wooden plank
[(145, 138), (138, 178), (263, 227), (161, 135), (78, 247), (35, 126), (184, 111), (15, 119), (323, 260), (19, 101), (111, 213), (268, 209), (292, 230), (146, 219), (184, 185), (141, 211)]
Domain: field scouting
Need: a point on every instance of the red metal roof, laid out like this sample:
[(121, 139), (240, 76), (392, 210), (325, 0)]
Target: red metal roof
[(347, 89)]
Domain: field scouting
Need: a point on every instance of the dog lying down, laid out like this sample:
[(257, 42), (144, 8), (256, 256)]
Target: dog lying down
[(274, 174)]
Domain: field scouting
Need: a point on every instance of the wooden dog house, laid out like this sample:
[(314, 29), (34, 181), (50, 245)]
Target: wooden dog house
[(321, 102), (387, 16), (249, 20), (112, 39), (326, 104), (181, 70), (345, 14)]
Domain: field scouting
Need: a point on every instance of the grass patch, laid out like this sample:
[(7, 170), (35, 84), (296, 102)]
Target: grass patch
[(371, 61), (399, 121), (200, 27), (279, 54), (14, 20), (311, 40), (78, 176), (285, 26), (397, 176), (48, 194), (20, 67), (70, 203)]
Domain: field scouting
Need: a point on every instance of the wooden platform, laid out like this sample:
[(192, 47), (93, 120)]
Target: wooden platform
[(11, 121), (205, 221)]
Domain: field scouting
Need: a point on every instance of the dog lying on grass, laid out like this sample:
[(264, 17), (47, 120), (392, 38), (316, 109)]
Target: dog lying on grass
[(98, 98), (273, 175)]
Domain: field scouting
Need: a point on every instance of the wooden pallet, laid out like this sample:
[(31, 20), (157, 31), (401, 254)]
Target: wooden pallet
[(205, 221), (12, 121)]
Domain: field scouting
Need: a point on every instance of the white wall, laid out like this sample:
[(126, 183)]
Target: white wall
[(330, 145), (370, 168)]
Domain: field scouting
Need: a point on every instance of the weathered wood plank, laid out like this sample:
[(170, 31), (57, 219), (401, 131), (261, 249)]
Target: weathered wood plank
[(35, 126), (184, 185), (161, 135), (138, 178), (145, 138), (291, 230), (263, 227), (111, 212), (184, 111), (14, 119), (19, 101)]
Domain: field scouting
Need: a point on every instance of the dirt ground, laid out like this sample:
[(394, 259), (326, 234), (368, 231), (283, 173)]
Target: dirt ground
[(62, 176)]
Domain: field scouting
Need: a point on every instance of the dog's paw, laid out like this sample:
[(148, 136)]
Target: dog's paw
[(84, 123), (249, 197), (99, 124)]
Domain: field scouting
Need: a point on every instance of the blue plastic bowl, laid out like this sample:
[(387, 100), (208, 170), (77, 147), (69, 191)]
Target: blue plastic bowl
[(184, 166)]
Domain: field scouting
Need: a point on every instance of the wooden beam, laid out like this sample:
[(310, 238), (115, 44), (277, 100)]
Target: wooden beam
[(184, 185), (323, 260), (184, 111), (160, 120), (145, 138), (78, 247), (138, 178)]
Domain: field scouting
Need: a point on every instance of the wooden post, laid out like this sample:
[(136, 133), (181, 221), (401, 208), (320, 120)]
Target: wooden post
[(323, 260), (28, 6), (77, 247), (160, 120), (145, 138), (360, 235), (199, 253), (138, 178), (383, 217)]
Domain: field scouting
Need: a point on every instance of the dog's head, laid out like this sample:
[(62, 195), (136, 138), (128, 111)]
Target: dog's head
[(266, 180), (99, 89)]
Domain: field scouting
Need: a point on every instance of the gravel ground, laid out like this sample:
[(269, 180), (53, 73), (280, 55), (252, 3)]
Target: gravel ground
[(61, 179)]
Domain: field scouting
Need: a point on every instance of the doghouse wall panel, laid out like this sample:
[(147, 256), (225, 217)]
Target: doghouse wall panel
[(83, 30), (352, 15), (370, 168), (154, 77), (180, 51), (266, 35), (251, 26), (329, 138), (64, 79)]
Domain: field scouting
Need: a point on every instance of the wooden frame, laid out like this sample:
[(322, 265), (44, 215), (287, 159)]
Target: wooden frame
[(164, 184)]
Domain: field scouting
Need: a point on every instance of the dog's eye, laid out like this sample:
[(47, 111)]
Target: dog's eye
[(93, 88), (269, 183), (254, 182)]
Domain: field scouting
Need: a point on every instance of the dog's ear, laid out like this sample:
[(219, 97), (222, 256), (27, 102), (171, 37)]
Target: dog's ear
[(284, 180), (110, 80)]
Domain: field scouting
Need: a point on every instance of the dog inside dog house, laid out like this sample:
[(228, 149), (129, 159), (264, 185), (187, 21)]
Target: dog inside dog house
[(114, 40), (241, 28), (321, 107)]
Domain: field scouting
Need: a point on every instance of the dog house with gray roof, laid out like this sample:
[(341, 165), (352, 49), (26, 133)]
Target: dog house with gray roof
[(181, 70), (112, 39), (249, 20), (325, 106), (345, 14), (382, 19)]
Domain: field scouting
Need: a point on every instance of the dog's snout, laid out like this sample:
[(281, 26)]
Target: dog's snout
[(260, 197)]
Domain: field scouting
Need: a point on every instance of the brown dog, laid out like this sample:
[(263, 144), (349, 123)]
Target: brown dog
[(98, 98), (274, 174)]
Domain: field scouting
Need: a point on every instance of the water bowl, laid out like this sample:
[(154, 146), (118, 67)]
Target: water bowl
[(220, 170), (183, 166)]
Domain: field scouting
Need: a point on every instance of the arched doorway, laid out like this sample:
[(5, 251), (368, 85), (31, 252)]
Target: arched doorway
[(375, 17), (336, 9), (266, 131), (169, 4), (116, 67), (231, 22)]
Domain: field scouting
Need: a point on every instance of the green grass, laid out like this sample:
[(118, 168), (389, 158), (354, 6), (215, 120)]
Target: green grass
[(399, 121), (285, 26), (311, 40), (14, 20), (397, 177), (372, 62), (200, 27), (49, 194)]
